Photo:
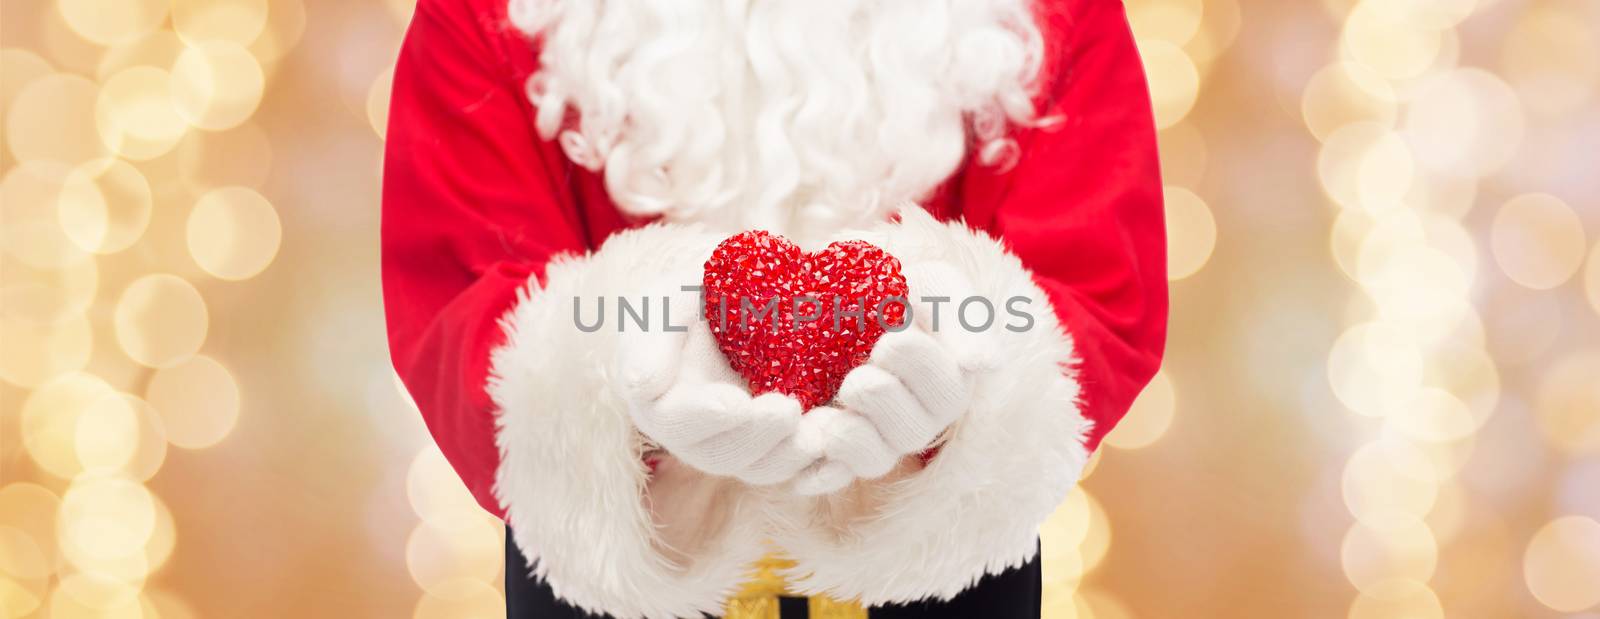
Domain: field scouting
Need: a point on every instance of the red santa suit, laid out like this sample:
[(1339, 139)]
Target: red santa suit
[(490, 230)]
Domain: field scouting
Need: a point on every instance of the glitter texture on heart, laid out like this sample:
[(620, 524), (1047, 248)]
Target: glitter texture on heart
[(797, 322)]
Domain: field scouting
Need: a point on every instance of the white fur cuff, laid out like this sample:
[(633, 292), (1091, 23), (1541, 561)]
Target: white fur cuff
[(575, 491)]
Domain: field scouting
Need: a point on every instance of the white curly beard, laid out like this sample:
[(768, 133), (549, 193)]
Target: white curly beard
[(787, 115)]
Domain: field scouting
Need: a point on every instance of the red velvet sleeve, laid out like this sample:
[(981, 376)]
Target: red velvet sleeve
[(1082, 208), (470, 212)]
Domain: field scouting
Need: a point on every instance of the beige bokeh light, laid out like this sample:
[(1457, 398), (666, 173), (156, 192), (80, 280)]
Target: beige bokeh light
[(286, 24), (1384, 174), (1418, 288), (1424, 462), (107, 434), (166, 604), (1381, 492), (1372, 556), (86, 596), (21, 67), (1174, 80), (1173, 21), (160, 320), (20, 593), (1472, 375), (1448, 195), (468, 550), (1538, 240), (198, 401), (233, 233), (114, 22), (150, 446), (1433, 14), (216, 85), (104, 207), (1463, 122), (1562, 564), (1449, 515), (1373, 36), (1568, 404), (52, 120), (1343, 93), (456, 549), (105, 518), (135, 113), (1149, 418), (1372, 365), (378, 102), (1432, 415), (461, 598), (234, 21), (49, 423), (1074, 538), (1548, 56), (1191, 232), (1363, 161), (436, 494), (1391, 599), (1364, 242), (156, 50), (47, 296), (163, 537), (1219, 30), (29, 200)]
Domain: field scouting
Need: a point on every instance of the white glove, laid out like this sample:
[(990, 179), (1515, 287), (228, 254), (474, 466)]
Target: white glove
[(916, 383), (682, 394)]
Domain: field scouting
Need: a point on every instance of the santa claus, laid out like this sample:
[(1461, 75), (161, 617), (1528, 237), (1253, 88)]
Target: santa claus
[(550, 151)]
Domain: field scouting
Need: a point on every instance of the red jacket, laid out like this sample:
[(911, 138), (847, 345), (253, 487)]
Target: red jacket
[(475, 204)]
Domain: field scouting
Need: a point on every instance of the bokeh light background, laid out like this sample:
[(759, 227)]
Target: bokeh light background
[(1382, 394)]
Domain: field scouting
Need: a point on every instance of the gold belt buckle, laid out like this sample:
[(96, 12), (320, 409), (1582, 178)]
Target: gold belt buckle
[(758, 597)]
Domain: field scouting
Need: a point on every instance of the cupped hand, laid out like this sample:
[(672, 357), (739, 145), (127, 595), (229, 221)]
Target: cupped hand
[(683, 396), (916, 383)]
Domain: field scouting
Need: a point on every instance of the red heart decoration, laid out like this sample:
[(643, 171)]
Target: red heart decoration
[(760, 289)]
